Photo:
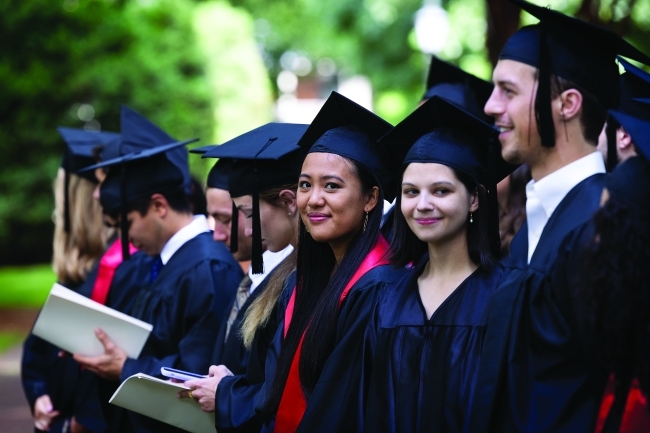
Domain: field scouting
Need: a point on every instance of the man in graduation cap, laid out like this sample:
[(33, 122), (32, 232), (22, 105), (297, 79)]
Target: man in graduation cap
[(192, 280), (616, 143), (553, 84)]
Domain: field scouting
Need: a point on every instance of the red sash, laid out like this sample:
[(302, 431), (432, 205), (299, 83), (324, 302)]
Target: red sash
[(109, 262), (293, 404), (636, 418)]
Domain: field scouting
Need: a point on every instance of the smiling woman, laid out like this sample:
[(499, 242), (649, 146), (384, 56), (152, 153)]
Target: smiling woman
[(320, 374), (439, 310)]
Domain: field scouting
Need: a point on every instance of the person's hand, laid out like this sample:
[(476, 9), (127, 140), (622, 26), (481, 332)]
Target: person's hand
[(203, 391), (75, 427), (44, 413), (108, 365)]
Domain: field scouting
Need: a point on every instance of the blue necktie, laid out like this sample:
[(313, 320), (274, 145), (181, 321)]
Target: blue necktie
[(155, 269)]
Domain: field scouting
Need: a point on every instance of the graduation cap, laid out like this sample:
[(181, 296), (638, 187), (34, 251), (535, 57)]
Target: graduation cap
[(452, 83), (632, 113), (146, 160), (266, 157), (345, 128), (441, 132), (202, 149), (573, 49), (630, 183), (79, 153)]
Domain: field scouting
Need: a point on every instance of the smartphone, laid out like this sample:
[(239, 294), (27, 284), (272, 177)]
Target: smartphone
[(179, 374)]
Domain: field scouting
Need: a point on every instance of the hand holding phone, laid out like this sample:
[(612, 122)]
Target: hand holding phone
[(179, 374)]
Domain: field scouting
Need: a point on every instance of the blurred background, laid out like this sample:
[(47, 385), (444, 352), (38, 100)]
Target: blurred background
[(214, 69)]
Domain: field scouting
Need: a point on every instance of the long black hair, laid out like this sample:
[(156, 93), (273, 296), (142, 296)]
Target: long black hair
[(614, 291), (319, 288), (406, 248)]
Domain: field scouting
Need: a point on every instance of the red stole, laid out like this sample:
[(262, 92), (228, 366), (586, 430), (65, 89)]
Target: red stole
[(293, 404), (109, 262), (636, 418)]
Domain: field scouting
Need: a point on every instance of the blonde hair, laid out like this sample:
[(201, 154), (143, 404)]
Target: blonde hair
[(259, 312), (76, 252)]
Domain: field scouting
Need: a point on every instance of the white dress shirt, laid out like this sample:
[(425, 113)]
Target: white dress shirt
[(198, 225), (543, 196)]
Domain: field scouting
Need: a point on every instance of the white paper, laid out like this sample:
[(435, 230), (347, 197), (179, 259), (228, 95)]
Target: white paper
[(68, 320), (158, 399)]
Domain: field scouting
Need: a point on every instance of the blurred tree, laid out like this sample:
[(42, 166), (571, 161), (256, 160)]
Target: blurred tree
[(72, 63)]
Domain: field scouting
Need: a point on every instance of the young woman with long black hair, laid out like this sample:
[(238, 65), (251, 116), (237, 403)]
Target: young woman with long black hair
[(429, 327), (320, 374)]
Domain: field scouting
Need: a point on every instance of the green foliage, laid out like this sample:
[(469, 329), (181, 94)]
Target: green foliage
[(58, 55), (9, 340), (26, 286)]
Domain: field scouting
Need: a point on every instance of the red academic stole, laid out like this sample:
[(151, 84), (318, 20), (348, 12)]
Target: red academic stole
[(109, 262), (636, 418), (293, 404)]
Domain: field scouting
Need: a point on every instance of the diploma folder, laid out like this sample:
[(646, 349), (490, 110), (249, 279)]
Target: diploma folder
[(68, 320), (156, 398)]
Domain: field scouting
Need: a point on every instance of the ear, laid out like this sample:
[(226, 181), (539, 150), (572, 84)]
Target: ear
[(623, 139), (372, 197), (288, 198), (473, 201), (158, 204), (570, 104)]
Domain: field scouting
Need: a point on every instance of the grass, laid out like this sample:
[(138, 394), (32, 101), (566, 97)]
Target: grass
[(25, 286), (9, 340)]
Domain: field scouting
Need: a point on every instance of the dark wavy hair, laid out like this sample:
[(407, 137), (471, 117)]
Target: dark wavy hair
[(406, 248), (318, 291), (615, 292)]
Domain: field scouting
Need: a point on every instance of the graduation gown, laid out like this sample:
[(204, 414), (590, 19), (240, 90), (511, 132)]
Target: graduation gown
[(44, 372), (185, 304), (532, 375), (338, 399), (424, 370), (238, 396)]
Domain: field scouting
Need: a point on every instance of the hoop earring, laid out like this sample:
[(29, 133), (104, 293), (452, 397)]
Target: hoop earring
[(365, 223), (471, 217)]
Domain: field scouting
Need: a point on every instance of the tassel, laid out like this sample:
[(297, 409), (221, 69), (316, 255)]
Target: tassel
[(257, 260), (543, 113), (66, 202), (124, 224), (234, 229), (612, 154)]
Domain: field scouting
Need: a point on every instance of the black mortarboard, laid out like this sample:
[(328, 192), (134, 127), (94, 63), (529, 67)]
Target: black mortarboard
[(266, 157), (575, 50), (630, 183), (632, 113), (463, 89), (345, 128), (202, 149), (442, 132), (79, 153), (145, 161)]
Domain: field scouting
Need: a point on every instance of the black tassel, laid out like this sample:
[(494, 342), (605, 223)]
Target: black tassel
[(612, 154), (494, 238), (234, 229), (66, 202), (124, 225), (543, 113), (257, 260)]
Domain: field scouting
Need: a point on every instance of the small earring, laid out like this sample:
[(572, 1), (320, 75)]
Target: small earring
[(289, 213), (471, 217), (365, 223)]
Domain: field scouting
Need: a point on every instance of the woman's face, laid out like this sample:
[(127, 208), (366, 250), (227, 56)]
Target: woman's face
[(277, 221), (330, 199), (435, 203)]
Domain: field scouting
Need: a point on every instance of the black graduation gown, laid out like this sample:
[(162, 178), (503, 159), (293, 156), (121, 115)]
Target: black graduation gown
[(44, 372), (532, 375), (185, 304), (237, 396), (338, 400), (424, 370)]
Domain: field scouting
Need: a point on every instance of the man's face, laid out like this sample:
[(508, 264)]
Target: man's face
[(220, 209), (146, 231), (512, 106)]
